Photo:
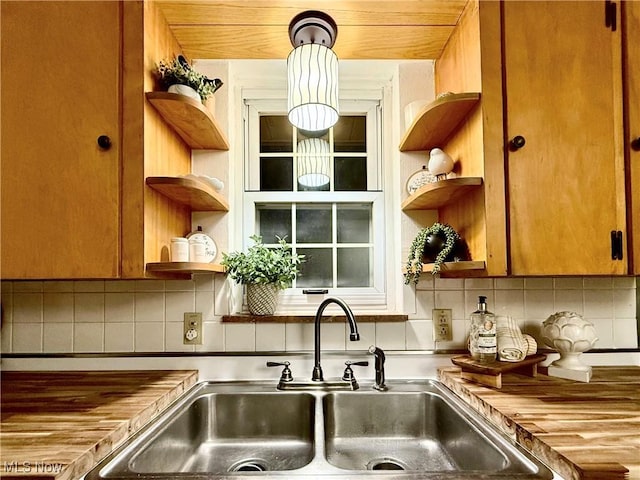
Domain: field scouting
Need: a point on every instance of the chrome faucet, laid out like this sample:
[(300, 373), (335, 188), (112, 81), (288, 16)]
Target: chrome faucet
[(378, 355), (317, 376)]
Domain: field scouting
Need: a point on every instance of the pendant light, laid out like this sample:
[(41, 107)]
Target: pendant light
[(312, 72)]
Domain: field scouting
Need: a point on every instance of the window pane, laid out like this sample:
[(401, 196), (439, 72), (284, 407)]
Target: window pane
[(317, 269), (276, 174), (274, 221), (354, 223), (313, 224), (353, 267), (276, 134), (350, 174), (350, 134)]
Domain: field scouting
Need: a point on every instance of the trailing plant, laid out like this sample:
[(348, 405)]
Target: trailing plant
[(448, 246), (178, 71), (262, 264)]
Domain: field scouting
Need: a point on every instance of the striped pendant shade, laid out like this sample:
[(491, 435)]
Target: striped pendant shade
[(313, 162), (312, 87)]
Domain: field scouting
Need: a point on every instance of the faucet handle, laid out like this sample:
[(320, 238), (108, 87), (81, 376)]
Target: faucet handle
[(348, 376), (286, 375)]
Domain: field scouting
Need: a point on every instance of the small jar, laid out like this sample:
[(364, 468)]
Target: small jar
[(179, 249), (197, 251)]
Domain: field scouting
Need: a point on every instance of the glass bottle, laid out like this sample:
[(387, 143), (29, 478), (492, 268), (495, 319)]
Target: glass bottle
[(482, 338)]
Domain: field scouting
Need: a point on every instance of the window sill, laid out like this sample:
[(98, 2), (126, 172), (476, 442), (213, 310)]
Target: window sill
[(247, 318)]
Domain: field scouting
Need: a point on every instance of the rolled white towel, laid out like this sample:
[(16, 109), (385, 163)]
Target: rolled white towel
[(512, 346)]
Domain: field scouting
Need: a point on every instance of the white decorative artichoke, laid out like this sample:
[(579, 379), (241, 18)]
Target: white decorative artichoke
[(568, 332)]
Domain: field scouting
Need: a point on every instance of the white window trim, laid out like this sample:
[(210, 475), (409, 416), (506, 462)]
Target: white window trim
[(378, 85)]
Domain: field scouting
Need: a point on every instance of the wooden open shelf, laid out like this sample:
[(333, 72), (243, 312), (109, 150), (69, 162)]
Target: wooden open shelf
[(455, 267), (183, 268), (197, 194), (190, 119), (438, 194), (435, 123)]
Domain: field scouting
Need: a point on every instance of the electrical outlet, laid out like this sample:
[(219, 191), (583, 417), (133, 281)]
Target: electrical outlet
[(192, 334), (442, 325)]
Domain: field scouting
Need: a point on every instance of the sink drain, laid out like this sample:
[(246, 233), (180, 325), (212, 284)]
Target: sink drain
[(248, 466), (385, 464)]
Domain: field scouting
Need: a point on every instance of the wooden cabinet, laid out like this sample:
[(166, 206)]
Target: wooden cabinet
[(60, 189), (71, 209), (561, 84), (566, 184)]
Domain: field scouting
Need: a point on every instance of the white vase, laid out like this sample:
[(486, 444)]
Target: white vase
[(185, 90)]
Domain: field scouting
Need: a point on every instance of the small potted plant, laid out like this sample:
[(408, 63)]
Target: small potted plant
[(438, 243), (265, 271), (177, 74)]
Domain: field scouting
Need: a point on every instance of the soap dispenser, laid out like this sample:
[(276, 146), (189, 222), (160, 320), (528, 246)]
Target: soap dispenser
[(482, 337)]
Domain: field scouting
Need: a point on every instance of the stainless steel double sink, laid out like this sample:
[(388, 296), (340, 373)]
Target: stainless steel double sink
[(416, 429)]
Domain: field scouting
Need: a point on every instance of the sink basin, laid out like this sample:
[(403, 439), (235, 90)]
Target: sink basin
[(223, 430), (415, 431), (217, 433)]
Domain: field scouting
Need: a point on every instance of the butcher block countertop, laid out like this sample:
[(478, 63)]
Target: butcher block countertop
[(58, 425), (581, 430)]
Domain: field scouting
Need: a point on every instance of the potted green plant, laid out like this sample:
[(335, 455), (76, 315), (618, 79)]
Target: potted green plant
[(264, 271), (438, 243), (176, 74)]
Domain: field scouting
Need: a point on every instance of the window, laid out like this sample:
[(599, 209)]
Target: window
[(323, 192)]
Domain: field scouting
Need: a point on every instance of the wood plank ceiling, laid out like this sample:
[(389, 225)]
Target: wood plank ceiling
[(367, 29)]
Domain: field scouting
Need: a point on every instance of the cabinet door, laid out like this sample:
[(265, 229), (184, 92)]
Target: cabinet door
[(60, 92), (563, 86), (632, 103)]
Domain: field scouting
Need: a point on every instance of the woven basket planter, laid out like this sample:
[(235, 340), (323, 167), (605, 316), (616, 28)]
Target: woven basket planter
[(262, 298)]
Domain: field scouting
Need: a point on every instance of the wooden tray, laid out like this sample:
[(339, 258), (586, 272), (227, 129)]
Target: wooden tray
[(490, 374)]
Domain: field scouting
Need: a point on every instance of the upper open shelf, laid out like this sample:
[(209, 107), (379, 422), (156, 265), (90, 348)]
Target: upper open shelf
[(189, 191), (190, 119), (435, 123)]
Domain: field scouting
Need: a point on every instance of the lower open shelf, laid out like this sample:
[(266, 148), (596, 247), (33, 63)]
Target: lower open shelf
[(183, 268), (456, 268)]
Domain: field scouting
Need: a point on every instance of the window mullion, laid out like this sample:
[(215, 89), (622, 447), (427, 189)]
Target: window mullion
[(334, 243)]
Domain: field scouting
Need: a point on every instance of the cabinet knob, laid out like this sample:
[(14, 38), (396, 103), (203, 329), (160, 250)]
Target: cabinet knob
[(635, 144), (516, 143), (104, 142)]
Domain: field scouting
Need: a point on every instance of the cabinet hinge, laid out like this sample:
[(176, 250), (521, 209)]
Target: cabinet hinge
[(616, 245), (610, 15)]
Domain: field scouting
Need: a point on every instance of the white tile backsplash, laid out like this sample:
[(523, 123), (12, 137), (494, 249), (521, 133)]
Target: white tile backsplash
[(270, 337), (57, 337), (147, 315), (27, 338), (177, 303), (240, 337), (149, 306), (27, 307), (88, 307), (148, 336), (391, 336), (58, 307), (119, 307), (118, 336), (88, 337)]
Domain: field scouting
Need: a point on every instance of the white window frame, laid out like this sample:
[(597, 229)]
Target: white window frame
[(293, 300)]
